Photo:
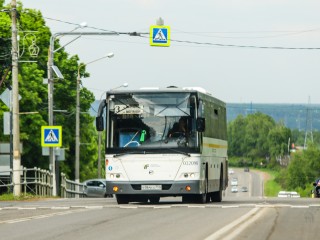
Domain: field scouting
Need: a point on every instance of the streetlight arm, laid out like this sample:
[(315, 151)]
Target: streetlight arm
[(109, 55), (56, 50)]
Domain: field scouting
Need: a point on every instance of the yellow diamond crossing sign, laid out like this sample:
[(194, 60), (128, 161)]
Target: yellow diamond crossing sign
[(51, 136), (160, 36)]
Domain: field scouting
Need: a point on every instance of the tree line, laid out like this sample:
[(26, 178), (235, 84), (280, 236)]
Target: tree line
[(34, 94), (257, 140)]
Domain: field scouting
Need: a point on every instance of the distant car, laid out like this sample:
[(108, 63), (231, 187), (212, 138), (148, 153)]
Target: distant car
[(231, 171), (244, 189), (95, 188), (234, 182), (286, 194), (234, 189), (246, 169)]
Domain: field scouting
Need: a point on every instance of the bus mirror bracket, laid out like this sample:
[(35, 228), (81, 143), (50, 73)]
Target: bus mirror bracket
[(201, 124), (99, 124), (99, 118)]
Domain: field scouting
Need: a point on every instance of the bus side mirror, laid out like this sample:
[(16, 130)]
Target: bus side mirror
[(99, 124), (201, 124)]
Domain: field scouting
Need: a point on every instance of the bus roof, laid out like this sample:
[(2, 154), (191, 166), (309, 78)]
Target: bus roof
[(156, 89), (201, 91)]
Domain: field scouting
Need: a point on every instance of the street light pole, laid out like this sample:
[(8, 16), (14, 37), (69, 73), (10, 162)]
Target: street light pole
[(77, 140), (51, 52), (15, 104)]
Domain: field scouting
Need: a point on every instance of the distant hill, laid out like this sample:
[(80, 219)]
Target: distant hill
[(294, 116)]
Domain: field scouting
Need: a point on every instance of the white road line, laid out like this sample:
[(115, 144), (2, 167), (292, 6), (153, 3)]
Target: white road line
[(129, 207), (300, 206), (196, 206), (60, 208), (94, 207), (27, 208), (228, 232), (230, 206), (41, 216), (161, 207)]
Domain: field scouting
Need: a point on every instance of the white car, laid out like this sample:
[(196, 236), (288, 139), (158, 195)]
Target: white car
[(285, 194), (234, 182), (95, 188), (234, 189), (231, 171)]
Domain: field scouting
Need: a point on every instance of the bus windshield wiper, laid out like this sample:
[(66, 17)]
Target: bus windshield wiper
[(135, 152)]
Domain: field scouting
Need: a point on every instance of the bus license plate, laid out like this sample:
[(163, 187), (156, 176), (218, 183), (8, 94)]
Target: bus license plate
[(151, 187)]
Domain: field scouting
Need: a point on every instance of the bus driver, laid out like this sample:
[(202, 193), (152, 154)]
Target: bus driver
[(178, 129)]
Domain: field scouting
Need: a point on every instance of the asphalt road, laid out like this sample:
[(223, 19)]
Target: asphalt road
[(239, 216)]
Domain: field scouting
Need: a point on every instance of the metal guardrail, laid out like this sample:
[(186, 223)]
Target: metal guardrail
[(33, 180), (39, 182), (71, 189)]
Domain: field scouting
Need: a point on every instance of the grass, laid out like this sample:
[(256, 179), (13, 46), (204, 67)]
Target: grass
[(271, 188), (22, 197)]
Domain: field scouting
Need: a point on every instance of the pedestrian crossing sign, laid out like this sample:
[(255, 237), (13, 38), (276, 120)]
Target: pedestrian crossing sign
[(160, 36), (51, 136)]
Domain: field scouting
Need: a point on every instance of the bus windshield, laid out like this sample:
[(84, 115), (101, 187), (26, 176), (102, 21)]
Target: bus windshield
[(156, 120)]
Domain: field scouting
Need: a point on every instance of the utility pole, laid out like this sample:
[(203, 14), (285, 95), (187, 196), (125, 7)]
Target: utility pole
[(50, 117), (308, 125), (15, 104), (50, 65)]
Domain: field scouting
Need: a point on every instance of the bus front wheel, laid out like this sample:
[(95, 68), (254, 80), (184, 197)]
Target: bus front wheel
[(122, 199), (154, 200)]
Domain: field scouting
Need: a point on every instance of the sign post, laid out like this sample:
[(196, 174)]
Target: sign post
[(51, 136)]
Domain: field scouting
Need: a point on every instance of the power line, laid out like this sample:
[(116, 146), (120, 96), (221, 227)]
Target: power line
[(242, 46), (211, 43), (275, 34)]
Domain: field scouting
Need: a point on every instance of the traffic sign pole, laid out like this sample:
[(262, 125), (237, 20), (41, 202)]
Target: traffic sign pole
[(51, 136)]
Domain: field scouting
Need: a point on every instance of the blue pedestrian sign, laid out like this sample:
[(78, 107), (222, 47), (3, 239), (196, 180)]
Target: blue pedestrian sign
[(51, 136), (160, 36)]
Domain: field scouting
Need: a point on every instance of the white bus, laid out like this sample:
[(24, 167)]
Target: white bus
[(148, 156)]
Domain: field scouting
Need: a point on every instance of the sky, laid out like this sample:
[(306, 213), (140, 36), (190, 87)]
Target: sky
[(241, 51)]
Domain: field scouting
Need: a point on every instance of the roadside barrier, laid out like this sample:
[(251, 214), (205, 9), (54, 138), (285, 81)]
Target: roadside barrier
[(39, 182)]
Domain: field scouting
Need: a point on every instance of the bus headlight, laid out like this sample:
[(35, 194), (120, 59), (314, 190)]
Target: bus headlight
[(115, 175), (187, 175)]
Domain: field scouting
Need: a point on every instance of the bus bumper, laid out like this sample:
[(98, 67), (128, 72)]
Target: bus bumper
[(155, 188)]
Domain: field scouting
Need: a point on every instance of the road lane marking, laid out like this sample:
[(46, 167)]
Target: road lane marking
[(133, 206), (300, 206), (41, 216), (231, 230)]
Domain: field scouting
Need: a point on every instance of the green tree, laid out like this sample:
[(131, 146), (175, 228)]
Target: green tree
[(34, 96), (278, 140), (303, 169), (236, 133), (257, 138), (257, 130)]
